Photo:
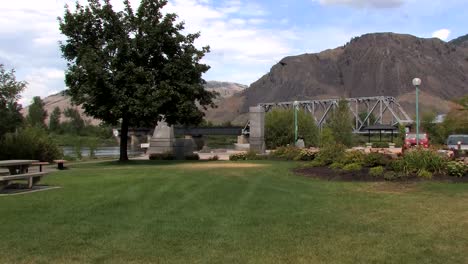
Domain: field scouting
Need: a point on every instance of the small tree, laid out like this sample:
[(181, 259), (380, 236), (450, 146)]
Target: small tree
[(279, 128), (54, 120), (36, 113), (340, 124), (10, 90)]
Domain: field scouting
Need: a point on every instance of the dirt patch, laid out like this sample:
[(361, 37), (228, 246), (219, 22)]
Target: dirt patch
[(220, 165), (325, 173)]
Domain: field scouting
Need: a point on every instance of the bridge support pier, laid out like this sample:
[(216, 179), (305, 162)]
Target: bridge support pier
[(257, 129)]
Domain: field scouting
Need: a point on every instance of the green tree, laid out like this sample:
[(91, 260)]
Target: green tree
[(54, 120), (36, 113), (279, 128), (133, 68), (340, 123), (10, 90), (75, 124)]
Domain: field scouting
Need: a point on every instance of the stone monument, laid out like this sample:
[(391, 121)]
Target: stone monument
[(163, 139)]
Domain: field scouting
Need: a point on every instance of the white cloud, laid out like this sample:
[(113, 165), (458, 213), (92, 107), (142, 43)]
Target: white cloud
[(365, 3), (442, 34), (41, 82)]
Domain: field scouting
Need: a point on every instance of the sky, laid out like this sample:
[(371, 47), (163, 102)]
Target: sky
[(246, 37)]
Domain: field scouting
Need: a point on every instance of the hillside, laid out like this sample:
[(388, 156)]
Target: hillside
[(370, 65), (224, 89)]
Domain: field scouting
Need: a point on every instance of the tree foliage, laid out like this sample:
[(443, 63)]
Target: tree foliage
[(30, 143), (340, 124), (54, 120), (133, 68), (279, 128), (36, 113), (10, 90)]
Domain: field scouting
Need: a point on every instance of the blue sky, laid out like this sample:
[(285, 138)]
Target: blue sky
[(246, 37)]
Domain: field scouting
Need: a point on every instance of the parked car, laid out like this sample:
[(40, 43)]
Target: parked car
[(410, 140), (454, 140)]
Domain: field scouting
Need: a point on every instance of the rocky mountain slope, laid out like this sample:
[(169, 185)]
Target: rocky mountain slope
[(61, 100), (370, 65)]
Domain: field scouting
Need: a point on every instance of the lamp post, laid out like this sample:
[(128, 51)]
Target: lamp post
[(417, 83), (295, 104)]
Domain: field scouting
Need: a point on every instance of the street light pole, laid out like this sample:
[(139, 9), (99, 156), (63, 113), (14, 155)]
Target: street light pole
[(417, 83), (295, 121)]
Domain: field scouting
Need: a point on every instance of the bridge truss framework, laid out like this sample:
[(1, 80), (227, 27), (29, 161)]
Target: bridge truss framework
[(385, 109)]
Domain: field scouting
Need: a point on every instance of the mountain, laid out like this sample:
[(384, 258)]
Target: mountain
[(225, 89), (461, 41), (370, 65), (63, 101)]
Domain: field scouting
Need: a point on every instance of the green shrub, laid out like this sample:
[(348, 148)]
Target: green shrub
[(456, 169), (352, 167), (390, 176), (214, 158), (317, 163), (162, 156), (238, 156), (376, 171), (193, 156), (306, 155), (336, 166), (330, 153), (279, 128), (31, 143), (380, 145), (421, 159), (375, 159), (397, 165), (425, 174), (354, 156), (287, 153)]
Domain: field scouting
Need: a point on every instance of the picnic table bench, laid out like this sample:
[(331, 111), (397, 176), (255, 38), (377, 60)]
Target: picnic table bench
[(19, 171)]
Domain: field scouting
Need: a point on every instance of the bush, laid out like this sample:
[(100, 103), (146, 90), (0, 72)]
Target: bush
[(420, 159), (238, 156), (380, 145), (193, 156), (354, 156), (306, 155), (352, 167), (376, 171), (31, 143), (317, 163), (397, 165), (162, 156), (279, 128), (390, 176), (251, 155), (456, 169), (336, 166), (214, 158), (375, 159), (331, 153), (287, 153), (425, 174)]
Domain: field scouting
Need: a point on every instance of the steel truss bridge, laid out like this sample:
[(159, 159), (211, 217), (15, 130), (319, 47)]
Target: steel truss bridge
[(385, 109)]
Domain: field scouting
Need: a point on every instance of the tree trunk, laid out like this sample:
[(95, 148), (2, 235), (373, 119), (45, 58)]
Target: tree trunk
[(123, 140)]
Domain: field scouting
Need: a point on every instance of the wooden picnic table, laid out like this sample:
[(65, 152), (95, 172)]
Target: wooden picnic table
[(19, 171), (17, 166)]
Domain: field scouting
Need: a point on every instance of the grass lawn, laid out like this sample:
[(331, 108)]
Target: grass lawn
[(153, 212)]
